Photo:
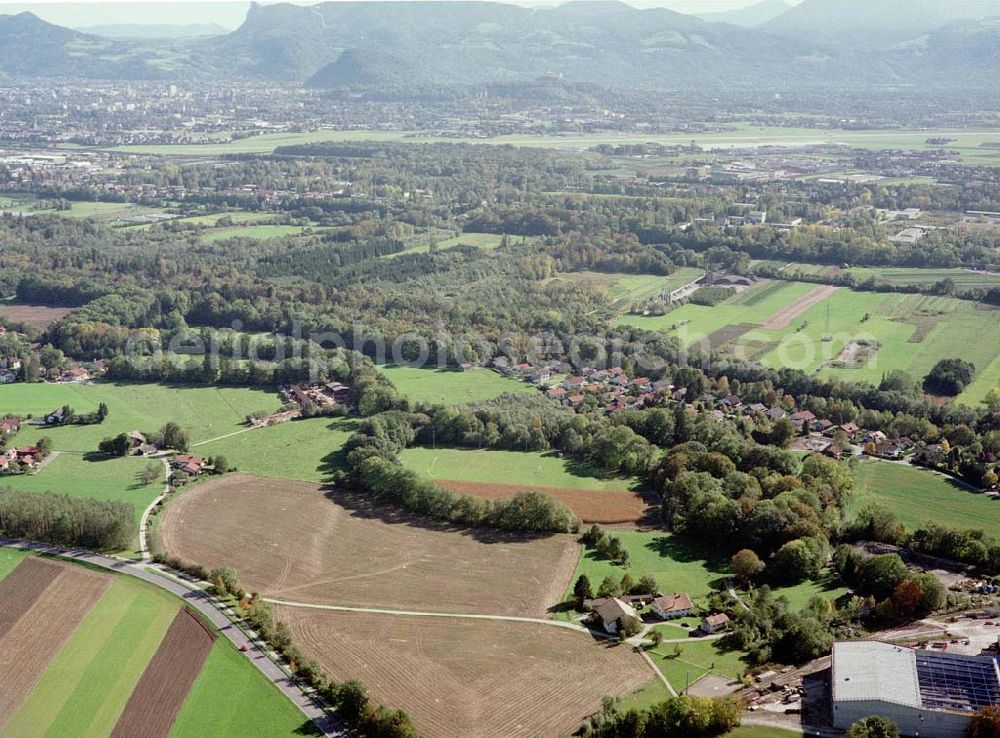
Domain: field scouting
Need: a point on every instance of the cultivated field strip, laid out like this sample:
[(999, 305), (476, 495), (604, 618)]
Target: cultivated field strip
[(464, 679), (38, 635), (157, 698), (591, 506), (20, 589), (291, 540), (783, 317)]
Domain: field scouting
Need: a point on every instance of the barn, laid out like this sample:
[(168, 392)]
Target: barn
[(930, 694)]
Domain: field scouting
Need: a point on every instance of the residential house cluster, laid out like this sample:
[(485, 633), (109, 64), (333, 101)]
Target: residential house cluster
[(19, 458), (608, 612), (188, 465)]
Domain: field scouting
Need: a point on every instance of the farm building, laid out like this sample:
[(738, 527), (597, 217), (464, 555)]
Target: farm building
[(927, 693), (668, 607), (610, 611)]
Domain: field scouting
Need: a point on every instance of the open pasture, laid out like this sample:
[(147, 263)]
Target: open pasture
[(470, 679), (917, 496), (259, 232), (204, 412), (293, 541), (301, 449), (450, 386)]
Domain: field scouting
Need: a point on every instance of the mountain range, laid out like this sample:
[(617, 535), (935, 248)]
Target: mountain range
[(606, 43)]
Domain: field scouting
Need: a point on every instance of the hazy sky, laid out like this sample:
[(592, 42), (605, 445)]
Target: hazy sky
[(229, 14)]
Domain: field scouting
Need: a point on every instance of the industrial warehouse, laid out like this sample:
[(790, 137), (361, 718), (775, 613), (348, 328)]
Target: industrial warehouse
[(929, 694)]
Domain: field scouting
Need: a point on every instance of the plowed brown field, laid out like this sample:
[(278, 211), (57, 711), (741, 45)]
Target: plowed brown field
[(40, 631), (591, 506), (156, 699), (20, 589), (291, 540), (470, 679)]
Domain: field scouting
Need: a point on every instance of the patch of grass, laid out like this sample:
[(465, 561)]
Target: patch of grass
[(251, 231), (230, 698), (762, 731), (301, 449), (84, 689), (651, 694), (452, 387), (697, 658), (798, 595), (9, 558), (917, 496), (96, 478), (675, 564), (205, 412), (508, 467)]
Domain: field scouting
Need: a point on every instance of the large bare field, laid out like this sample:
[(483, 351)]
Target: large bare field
[(591, 506), (157, 698), (39, 316), (470, 679), (39, 632), (294, 541)]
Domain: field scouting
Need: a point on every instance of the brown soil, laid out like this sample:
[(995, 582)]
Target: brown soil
[(39, 316), (591, 506), (470, 679), (40, 632), (164, 685), (783, 317), (294, 541), (20, 589)]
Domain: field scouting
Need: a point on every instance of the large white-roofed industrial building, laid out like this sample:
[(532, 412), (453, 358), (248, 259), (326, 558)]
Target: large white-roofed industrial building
[(929, 694)]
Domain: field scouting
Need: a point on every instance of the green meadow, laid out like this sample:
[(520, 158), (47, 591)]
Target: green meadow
[(231, 698), (697, 658), (261, 232), (451, 386), (300, 449), (508, 467), (917, 496), (205, 412)]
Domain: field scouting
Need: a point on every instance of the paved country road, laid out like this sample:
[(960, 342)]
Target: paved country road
[(198, 600)]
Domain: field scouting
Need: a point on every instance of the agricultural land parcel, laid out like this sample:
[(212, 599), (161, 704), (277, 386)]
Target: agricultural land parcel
[(85, 686), (493, 474), (205, 412), (968, 143), (293, 541), (451, 387), (917, 496), (913, 331), (456, 677)]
